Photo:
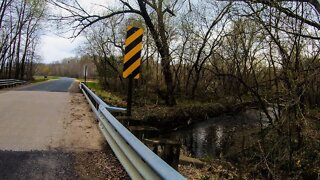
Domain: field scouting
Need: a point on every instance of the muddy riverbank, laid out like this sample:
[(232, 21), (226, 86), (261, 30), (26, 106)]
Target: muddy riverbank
[(167, 119)]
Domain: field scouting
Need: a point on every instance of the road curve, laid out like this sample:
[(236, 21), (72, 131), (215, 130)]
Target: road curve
[(60, 85)]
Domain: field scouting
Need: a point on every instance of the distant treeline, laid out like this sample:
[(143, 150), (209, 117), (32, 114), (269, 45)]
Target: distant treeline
[(68, 67)]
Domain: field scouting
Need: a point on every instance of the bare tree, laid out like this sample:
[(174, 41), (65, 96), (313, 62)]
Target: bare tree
[(20, 22), (80, 19), (208, 37)]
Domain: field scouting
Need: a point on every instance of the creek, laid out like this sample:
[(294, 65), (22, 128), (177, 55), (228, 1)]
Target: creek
[(216, 136)]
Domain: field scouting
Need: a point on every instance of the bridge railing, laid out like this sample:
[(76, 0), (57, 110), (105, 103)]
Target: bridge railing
[(10, 82), (137, 159)]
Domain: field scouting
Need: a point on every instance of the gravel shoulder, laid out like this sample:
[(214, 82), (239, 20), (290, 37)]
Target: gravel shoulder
[(80, 129)]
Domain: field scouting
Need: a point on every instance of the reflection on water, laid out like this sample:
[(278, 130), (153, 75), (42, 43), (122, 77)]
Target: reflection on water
[(204, 139), (219, 134), (212, 137)]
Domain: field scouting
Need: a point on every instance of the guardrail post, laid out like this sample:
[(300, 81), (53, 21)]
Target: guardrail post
[(167, 149)]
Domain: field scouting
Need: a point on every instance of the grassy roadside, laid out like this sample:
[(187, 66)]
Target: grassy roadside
[(37, 79), (108, 97)]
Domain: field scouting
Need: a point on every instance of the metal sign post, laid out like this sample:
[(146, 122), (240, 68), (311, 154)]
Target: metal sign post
[(85, 74), (132, 60), (129, 96)]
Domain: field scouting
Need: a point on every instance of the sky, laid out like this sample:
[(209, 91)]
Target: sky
[(55, 47)]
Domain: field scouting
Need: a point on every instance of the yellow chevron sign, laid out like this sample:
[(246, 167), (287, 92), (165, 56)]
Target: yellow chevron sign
[(132, 57)]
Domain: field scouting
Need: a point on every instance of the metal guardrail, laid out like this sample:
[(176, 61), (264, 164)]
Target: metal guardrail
[(137, 159), (10, 82)]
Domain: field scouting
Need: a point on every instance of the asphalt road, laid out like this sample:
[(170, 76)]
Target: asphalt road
[(18, 165), (60, 85), (42, 129)]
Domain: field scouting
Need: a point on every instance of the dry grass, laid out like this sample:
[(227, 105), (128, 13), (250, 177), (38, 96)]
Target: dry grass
[(37, 79)]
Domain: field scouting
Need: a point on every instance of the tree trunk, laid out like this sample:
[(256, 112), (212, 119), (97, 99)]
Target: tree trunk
[(195, 84), (163, 48)]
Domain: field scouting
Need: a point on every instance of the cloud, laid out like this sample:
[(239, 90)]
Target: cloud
[(53, 47)]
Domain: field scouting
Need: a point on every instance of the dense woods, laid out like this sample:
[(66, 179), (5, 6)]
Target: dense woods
[(20, 25), (68, 67), (195, 48)]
